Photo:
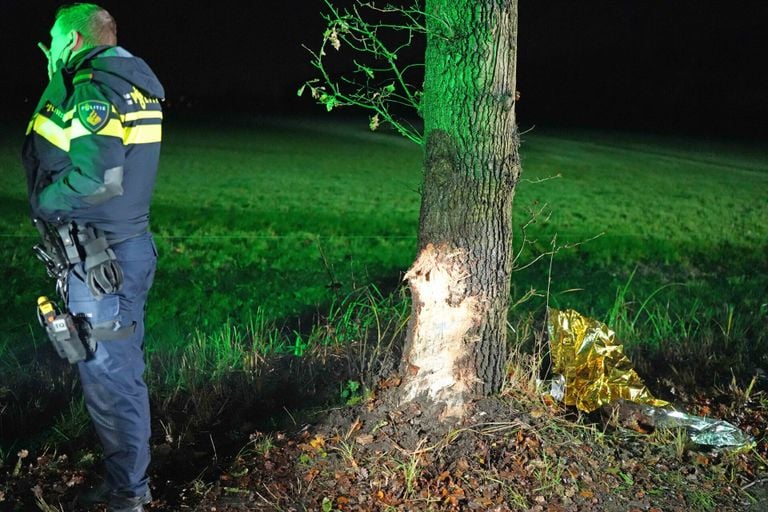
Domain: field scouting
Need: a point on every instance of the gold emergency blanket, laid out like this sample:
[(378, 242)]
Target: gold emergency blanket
[(593, 365)]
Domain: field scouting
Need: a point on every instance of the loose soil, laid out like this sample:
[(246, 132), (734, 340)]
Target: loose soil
[(516, 451)]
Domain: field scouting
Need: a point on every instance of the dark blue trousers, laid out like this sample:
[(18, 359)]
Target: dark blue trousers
[(113, 383)]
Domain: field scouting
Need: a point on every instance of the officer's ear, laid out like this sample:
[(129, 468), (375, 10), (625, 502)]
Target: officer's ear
[(75, 41)]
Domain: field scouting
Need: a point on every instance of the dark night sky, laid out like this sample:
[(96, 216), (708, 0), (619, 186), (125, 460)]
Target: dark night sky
[(685, 65)]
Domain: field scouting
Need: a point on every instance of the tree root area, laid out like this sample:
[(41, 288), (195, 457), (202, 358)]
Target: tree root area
[(512, 452)]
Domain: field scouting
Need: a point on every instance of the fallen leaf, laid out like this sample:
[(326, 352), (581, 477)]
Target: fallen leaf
[(391, 382), (364, 439), (318, 442)]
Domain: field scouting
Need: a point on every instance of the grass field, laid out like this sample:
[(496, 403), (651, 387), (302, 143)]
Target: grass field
[(272, 221)]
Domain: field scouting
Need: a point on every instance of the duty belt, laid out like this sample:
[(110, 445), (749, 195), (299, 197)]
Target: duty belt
[(63, 249), (66, 245)]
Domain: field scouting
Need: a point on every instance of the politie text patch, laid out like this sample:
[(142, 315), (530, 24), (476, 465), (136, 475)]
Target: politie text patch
[(93, 114)]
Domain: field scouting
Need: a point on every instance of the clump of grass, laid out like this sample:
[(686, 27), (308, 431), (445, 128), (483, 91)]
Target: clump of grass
[(700, 343), (369, 327), (212, 368), (71, 424), (208, 357), (527, 355), (675, 440), (256, 362)]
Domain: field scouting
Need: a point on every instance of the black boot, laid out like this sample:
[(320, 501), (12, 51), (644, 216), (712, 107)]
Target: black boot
[(121, 503)]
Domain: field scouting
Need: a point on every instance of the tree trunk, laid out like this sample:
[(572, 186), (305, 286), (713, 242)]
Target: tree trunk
[(460, 282)]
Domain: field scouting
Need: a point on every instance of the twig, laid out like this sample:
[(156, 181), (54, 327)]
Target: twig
[(377, 87), (215, 455), (754, 482), (542, 180), (290, 415)]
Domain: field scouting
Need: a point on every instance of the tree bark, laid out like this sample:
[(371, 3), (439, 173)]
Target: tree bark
[(460, 282)]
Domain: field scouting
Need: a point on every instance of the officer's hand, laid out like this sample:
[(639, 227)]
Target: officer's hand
[(47, 54)]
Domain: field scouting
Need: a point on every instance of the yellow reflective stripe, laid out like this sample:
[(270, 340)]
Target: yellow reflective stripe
[(52, 132), (146, 114), (60, 137), (30, 125), (143, 134), (112, 129)]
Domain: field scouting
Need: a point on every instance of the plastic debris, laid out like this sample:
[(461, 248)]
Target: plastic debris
[(706, 431), (592, 371)]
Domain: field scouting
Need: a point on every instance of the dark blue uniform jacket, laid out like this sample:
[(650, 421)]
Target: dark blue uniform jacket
[(93, 144)]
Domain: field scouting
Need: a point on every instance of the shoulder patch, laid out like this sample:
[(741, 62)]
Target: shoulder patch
[(93, 114)]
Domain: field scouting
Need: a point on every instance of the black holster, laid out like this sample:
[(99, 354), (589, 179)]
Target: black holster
[(85, 251), (73, 336)]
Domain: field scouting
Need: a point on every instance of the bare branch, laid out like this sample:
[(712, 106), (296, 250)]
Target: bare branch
[(378, 81)]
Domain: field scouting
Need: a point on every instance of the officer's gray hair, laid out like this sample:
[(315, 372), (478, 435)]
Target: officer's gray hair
[(94, 23)]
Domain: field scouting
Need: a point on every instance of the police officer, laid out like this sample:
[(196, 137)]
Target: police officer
[(91, 156)]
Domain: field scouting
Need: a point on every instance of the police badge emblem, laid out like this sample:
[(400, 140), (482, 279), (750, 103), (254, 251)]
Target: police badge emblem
[(93, 114)]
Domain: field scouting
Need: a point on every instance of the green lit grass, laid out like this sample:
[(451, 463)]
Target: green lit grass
[(280, 217), (285, 216), (261, 223)]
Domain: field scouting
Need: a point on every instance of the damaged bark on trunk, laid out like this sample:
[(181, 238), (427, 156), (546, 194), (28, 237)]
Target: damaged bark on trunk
[(460, 282)]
